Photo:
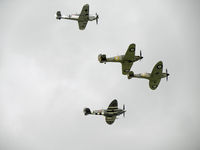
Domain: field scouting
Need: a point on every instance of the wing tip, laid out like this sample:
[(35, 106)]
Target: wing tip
[(153, 87), (86, 5), (160, 62), (109, 123), (114, 100), (132, 44)]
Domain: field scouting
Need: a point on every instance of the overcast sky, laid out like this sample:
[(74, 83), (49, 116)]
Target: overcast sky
[(49, 72)]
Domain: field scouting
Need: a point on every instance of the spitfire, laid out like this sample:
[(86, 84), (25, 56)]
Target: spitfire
[(154, 77), (110, 113), (126, 60), (82, 18)]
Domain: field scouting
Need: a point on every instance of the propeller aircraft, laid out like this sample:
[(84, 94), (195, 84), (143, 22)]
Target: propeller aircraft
[(110, 113), (154, 77), (126, 60), (82, 18)]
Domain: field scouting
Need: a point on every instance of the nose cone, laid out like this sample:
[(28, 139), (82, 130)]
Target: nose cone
[(167, 74)]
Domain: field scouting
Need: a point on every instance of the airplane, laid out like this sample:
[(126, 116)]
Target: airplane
[(82, 18), (126, 60), (110, 114), (154, 77)]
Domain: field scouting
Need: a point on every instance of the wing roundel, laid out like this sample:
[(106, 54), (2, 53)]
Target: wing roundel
[(130, 53)]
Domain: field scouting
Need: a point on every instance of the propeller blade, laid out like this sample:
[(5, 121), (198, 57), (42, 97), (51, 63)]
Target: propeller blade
[(97, 17), (167, 75), (140, 55), (124, 110)]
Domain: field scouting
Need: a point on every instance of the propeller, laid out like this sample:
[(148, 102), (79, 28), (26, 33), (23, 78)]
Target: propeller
[(141, 55), (124, 110), (167, 74), (97, 17)]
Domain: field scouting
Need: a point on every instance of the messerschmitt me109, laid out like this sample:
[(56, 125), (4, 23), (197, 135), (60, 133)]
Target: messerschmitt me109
[(82, 18), (110, 114), (154, 77), (126, 60)]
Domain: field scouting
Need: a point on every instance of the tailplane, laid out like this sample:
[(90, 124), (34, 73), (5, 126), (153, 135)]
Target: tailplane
[(102, 58), (130, 75), (86, 111)]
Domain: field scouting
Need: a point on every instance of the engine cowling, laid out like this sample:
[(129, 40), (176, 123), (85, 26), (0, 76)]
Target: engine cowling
[(102, 58), (87, 111), (130, 74)]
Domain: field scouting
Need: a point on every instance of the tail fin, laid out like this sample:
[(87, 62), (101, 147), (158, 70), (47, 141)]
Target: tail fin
[(130, 75), (102, 58), (58, 15), (86, 111)]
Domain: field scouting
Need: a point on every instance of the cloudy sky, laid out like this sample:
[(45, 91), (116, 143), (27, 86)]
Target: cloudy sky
[(49, 72)]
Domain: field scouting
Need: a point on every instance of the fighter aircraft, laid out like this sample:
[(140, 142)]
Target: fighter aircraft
[(82, 18), (154, 77), (110, 114), (126, 60)]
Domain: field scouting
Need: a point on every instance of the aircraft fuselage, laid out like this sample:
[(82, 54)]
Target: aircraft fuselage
[(149, 76), (77, 17), (108, 113), (121, 59)]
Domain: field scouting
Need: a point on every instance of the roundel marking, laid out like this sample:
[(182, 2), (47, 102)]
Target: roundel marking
[(116, 57), (159, 66), (154, 86)]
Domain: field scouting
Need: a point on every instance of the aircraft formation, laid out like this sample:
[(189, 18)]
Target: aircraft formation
[(126, 61)]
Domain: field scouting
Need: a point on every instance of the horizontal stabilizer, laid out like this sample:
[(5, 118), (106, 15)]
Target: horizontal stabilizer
[(87, 111), (130, 74)]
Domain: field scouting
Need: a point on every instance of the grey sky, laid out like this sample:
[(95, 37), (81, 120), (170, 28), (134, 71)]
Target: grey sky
[(49, 72)]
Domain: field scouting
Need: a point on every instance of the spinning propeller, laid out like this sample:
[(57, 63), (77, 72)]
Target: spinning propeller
[(124, 110), (167, 74), (141, 55), (97, 17)]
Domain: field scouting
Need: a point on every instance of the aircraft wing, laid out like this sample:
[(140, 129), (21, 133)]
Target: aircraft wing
[(110, 120), (130, 53), (126, 66), (111, 108), (128, 59), (156, 75), (113, 105), (83, 18)]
